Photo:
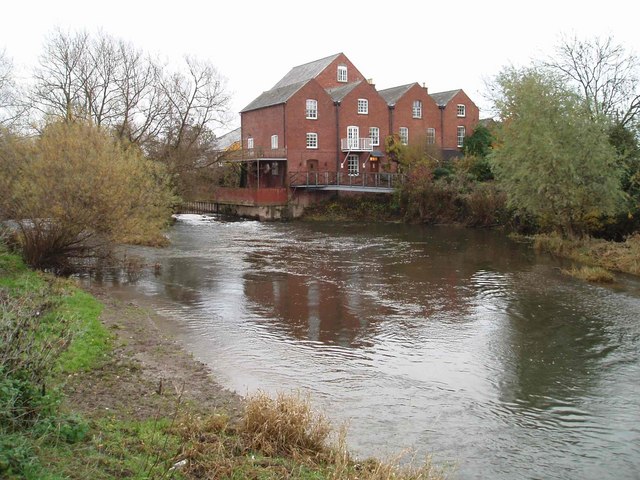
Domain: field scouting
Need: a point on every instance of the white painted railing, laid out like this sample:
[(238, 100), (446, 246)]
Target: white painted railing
[(356, 145)]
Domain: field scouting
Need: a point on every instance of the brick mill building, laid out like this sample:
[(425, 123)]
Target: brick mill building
[(323, 126)]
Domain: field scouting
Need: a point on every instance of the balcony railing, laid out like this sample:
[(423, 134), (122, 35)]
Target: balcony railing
[(356, 145), (247, 154), (363, 179)]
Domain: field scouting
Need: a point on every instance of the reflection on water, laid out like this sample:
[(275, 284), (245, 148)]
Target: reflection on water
[(452, 341)]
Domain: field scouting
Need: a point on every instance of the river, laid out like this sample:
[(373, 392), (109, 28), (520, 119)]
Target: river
[(460, 343)]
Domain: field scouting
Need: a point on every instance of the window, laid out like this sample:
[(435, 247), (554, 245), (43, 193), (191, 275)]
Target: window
[(274, 168), (250, 142), (274, 142), (431, 136), (353, 141), (462, 110), (374, 135), (342, 73), (353, 167), (312, 109), (312, 140), (461, 134), (404, 135), (417, 109), (363, 106)]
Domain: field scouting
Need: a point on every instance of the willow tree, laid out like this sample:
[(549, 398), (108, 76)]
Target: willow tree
[(552, 156), (75, 191)]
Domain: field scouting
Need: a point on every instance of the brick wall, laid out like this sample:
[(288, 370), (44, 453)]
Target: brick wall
[(451, 121)]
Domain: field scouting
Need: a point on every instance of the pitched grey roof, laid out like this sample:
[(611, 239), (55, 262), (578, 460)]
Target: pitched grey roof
[(392, 95), (305, 72), (275, 96), (338, 93), (443, 98), (228, 139)]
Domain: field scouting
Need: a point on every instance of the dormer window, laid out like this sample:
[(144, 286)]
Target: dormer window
[(342, 73), (462, 111)]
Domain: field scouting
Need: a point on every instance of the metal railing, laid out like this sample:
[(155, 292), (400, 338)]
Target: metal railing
[(256, 154), (356, 144), (325, 179)]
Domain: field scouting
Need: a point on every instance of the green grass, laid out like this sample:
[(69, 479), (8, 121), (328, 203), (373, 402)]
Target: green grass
[(115, 448), (92, 341), (61, 318)]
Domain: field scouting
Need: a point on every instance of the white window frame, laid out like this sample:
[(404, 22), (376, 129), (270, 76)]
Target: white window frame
[(342, 73), (353, 165), (311, 109), (250, 143), (274, 142), (461, 110), (431, 136), (312, 140), (461, 133), (353, 137), (404, 135), (416, 109), (363, 106), (374, 135)]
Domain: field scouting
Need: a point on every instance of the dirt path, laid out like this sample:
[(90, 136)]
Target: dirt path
[(148, 374)]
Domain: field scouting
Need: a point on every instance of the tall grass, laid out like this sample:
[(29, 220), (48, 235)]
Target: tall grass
[(282, 437), (614, 256)]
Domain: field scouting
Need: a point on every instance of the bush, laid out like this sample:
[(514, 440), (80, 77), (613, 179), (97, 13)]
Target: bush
[(75, 191)]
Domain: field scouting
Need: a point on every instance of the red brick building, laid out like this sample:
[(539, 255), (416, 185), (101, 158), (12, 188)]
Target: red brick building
[(325, 117)]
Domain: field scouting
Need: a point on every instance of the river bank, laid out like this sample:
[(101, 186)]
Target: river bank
[(147, 371), (123, 400), (596, 257)]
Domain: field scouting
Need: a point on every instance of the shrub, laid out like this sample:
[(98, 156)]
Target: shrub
[(75, 191)]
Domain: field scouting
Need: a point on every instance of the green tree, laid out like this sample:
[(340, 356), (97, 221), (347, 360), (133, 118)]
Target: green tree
[(75, 191), (479, 143), (553, 158)]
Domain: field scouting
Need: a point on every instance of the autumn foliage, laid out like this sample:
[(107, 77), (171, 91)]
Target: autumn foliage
[(75, 191)]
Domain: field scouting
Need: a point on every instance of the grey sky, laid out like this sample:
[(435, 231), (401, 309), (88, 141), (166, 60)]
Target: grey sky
[(445, 45)]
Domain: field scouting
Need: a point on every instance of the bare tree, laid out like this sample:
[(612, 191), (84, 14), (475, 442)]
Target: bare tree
[(142, 107), (111, 83), (604, 73), (10, 107), (58, 89), (197, 101)]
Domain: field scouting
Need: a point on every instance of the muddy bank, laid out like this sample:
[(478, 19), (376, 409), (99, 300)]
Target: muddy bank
[(148, 374)]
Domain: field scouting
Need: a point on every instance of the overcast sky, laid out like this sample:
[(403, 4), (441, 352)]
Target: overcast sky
[(445, 45)]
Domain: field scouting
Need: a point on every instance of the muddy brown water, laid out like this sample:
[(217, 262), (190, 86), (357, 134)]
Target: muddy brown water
[(459, 343)]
